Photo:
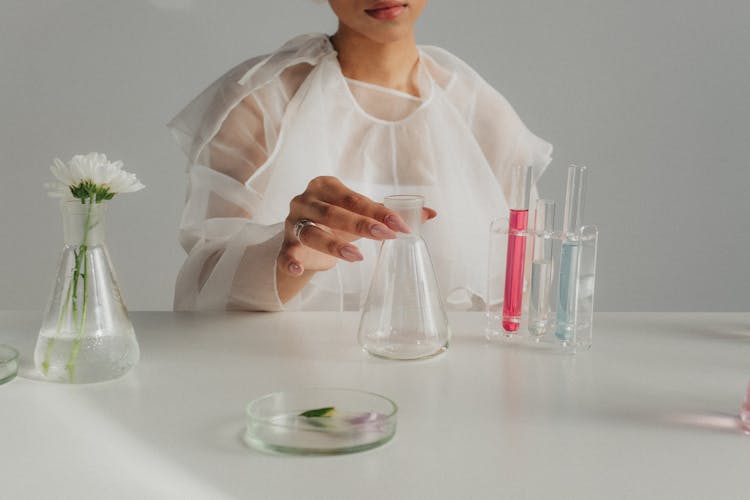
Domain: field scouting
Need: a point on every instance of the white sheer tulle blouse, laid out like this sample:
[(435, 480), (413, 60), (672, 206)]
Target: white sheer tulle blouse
[(260, 133)]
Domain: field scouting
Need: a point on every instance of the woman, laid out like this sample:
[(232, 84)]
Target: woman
[(291, 153)]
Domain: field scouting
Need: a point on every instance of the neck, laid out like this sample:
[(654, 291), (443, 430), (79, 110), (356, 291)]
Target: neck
[(392, 64)]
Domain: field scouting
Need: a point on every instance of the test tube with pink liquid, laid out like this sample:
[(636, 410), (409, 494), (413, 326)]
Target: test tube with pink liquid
[(518, 224)]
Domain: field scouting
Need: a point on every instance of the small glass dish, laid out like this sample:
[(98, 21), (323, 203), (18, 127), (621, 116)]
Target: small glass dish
[(8, 363), (320, 421)]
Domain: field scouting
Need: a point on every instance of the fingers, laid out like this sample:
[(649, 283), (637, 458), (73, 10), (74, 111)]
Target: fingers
[(428, 213), (340, 218), (288, 262), (326, 242), (332, 191), (317, 250), (357, 203), (339, 215)]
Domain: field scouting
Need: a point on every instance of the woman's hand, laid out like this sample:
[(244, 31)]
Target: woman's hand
[(339, 216)]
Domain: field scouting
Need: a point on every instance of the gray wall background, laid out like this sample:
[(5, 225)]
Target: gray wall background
[(652, 96)]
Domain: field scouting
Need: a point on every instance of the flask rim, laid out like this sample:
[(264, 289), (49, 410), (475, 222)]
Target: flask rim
[(76, 207), (402, 201)]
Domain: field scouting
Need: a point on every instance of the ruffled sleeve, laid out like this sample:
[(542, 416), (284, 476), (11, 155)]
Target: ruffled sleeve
[(231, 258), (228, 133), (499, 131), (504, 138)]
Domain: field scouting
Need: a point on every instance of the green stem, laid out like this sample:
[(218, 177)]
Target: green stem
[(82, 256), (72, 293), (76, 274), (51, 342)]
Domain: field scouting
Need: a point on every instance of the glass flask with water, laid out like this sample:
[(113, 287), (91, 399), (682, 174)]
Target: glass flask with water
[(404, 316), (86, 335)]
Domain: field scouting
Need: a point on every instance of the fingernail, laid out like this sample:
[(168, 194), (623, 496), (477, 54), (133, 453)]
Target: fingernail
[(382, 232), (350, 253), (295, 268), (397, 224)]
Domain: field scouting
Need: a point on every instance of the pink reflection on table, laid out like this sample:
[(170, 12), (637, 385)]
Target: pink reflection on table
[(745, 413)]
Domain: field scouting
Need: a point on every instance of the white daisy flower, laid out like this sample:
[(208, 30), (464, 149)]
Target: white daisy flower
[(91, 176)]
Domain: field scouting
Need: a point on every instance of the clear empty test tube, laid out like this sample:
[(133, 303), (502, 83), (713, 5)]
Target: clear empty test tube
[(540, 307), (567, 300), (588, 237), (516, 251)]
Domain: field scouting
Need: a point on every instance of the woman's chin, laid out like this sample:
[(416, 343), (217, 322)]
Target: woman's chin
[(389, 34)]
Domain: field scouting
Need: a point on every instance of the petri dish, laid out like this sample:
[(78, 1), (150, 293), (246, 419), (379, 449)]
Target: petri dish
[(319, 421), (8, 363)]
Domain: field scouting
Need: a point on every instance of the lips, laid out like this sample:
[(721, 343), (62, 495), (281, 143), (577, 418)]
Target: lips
[(386, 11)]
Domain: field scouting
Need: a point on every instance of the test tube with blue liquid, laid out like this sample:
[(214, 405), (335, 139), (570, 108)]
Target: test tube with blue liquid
[(540, 307), (567, 301)]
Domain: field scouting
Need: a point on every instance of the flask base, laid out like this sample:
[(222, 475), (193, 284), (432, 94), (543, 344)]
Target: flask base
[(403, 352), (96, 359)]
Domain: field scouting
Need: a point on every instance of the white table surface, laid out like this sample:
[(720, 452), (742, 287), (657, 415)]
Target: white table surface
[(650, 412)]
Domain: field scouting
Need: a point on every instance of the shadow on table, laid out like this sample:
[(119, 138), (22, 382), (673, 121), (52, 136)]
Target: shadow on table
[(688, 325)]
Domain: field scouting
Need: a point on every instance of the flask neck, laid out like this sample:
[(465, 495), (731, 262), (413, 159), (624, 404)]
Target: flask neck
[(409, 208), (83, 223)]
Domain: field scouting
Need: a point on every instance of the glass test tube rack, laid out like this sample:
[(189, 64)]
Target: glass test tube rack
[(558, 290)]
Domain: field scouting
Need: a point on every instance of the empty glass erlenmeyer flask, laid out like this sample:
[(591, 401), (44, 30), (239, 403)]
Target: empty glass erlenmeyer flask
[(404, 316)]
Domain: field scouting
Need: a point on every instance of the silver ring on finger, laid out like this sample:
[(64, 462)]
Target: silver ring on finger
[(300, 226)]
